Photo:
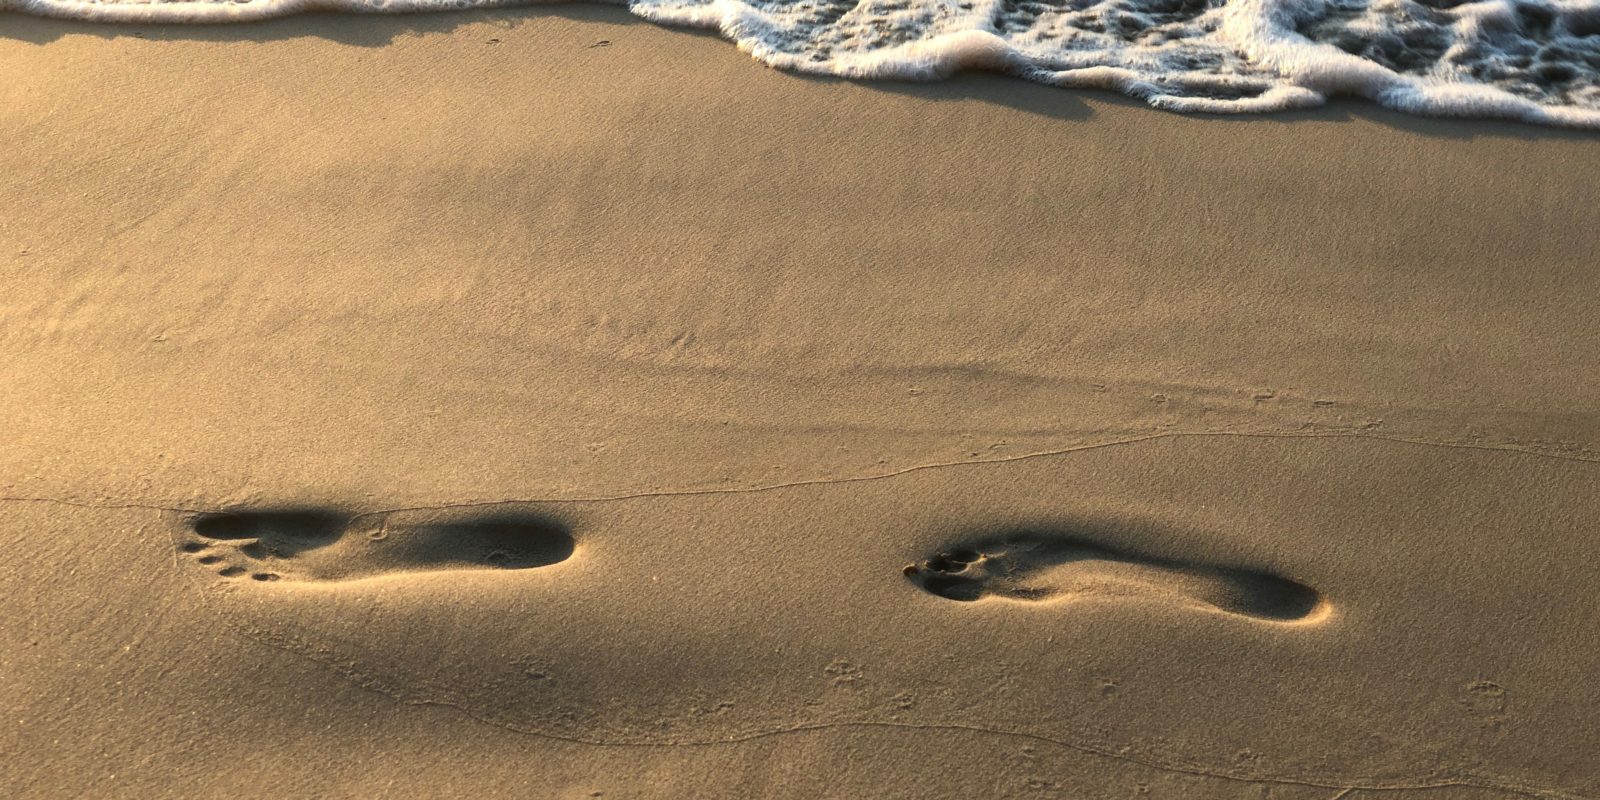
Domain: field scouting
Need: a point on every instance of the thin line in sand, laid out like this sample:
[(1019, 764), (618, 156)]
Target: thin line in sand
[(1501, 448)]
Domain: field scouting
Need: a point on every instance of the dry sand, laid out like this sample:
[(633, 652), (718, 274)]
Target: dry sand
[(579, 410)]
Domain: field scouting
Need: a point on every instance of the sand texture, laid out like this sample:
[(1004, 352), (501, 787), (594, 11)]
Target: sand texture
[(540, 403)]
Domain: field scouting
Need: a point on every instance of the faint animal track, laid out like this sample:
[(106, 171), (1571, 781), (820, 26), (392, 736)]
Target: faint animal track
[(1030, 565), (317, 544)]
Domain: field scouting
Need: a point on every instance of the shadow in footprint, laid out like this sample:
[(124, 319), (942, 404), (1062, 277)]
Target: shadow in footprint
[(280, 533), (320, 544), (1041, 565), (506, 541)]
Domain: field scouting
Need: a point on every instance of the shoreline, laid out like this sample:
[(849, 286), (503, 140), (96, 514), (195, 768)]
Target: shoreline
[(1278, 68)]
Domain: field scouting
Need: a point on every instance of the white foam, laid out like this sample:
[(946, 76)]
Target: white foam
[(1531, 60)]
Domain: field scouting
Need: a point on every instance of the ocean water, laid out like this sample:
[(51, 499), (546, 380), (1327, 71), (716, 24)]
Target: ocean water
[(1536, 61)]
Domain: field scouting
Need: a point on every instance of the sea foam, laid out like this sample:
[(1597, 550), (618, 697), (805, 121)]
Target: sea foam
[(1531, 60)]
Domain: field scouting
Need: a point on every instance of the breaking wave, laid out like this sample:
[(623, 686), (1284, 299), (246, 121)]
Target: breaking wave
[(1531, 60)]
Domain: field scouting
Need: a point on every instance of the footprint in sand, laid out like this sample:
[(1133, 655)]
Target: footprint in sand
[(320, 545), (1037, 566)]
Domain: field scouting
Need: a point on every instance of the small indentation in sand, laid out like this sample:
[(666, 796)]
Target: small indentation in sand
[(317, 545), (1035, 566)]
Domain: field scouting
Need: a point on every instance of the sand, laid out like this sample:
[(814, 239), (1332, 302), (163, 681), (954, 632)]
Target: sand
[(541, 403)]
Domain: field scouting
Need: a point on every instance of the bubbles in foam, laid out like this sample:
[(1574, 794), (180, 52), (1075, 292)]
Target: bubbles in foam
[(1531, 60)]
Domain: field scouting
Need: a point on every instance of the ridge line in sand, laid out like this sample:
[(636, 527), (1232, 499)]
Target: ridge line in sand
[(1503, 448)]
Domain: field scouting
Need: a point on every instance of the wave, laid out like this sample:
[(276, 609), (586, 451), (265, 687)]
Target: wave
[(1535, 61)]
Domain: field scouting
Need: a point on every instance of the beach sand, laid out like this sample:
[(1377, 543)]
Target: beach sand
[(541, 403)]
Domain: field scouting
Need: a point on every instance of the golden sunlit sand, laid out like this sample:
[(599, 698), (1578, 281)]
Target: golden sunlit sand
[(447, 406)]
